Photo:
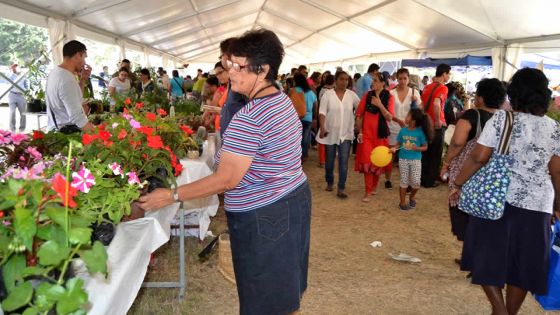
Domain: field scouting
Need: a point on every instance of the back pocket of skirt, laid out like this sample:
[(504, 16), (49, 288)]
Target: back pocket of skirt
[(273, 221)]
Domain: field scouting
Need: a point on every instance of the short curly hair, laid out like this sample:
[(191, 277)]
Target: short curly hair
[(528, 92), (260, 47), (492, 91)]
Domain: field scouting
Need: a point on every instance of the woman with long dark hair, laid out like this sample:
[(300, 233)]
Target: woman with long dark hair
[(374, 112)]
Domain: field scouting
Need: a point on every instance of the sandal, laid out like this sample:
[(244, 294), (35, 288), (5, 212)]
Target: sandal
[(404, 207), (412, 203), (329, 188), (341, 195)]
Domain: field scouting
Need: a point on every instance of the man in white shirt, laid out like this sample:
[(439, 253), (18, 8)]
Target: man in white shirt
[(16, 99), (64, 94)]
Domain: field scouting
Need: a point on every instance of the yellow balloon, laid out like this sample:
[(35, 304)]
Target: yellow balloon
[(381, 156)]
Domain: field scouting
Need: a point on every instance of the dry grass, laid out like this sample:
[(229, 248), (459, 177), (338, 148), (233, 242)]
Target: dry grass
[(346, 275)]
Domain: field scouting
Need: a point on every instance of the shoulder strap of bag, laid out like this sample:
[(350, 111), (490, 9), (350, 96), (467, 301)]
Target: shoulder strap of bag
[(427, 108), (478, 123), (53, 117), (180, 85), (503, 148)]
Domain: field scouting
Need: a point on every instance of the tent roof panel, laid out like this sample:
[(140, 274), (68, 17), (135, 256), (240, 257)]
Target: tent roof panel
[(275, 23), (361, 40), (349, 7), (304, 14), (420, 26)]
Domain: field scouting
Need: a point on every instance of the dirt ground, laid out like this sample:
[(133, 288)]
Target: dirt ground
[(346, 275)]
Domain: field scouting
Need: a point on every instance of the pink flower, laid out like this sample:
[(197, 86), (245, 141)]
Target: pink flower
[(19, 137), (115, 125), (83, 180), (133, 178), (134, 124), (127, 116), (6, 223), (5, 137), (34, 153), (116, 168)]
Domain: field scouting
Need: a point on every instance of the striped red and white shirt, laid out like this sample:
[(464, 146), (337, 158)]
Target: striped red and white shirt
[(269, 131)]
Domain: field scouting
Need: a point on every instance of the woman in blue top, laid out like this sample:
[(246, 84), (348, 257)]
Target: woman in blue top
[(302, 86), (176, 86), (412, 140)]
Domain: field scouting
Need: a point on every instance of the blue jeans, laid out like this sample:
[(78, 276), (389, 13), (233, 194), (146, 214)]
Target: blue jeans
[(343, 154), (305, 138), (270, 253), (17, 101)]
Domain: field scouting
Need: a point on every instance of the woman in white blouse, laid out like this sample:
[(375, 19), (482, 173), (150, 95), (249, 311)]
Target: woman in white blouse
[(336, 129), (515, 249), (119, 86), (405, 98)]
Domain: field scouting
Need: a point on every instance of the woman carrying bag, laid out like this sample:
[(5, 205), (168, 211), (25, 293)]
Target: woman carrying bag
[(513, 248)]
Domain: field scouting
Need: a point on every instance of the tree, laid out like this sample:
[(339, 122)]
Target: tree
[(21, 42)]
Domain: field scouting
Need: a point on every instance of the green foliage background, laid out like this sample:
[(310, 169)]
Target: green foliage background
[(20, 42)]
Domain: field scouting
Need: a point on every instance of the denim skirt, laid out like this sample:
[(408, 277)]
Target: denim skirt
[(270, 253)]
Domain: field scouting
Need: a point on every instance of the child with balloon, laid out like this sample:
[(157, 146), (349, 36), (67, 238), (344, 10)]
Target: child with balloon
[(411, 142)]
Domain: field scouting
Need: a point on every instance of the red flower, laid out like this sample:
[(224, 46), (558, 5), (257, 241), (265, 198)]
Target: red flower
[(87, 139), (151, 116), (155, 142), (125, 111), (101, 127), (139, 105), (127, 101), (145, 156), (59, 184), (122, 134), (104, 135), (38, 135), (188, 131), (162, 112), (146, 130), (178, 169)]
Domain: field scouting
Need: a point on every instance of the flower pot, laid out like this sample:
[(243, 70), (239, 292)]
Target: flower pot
[(136, 212), (36, 106), (103, 232), (193, 154)]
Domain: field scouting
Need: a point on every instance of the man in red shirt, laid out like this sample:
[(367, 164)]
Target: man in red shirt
[(433, 98)]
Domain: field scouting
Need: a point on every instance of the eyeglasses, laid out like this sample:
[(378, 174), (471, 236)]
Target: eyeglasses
[(235, 66)]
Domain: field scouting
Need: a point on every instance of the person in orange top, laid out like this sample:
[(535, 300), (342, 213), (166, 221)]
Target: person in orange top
[(433, 98), (374, 112), (220, 95)]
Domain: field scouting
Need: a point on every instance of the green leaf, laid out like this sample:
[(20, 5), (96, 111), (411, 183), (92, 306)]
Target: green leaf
[(96, 258), (57, 214), (12, 270), (8, 202), (79, 221), (74, 297), (32, 271), (25, 226), (52, 232), (19, 297), (47, 294), (52, 253), (80, 235), (15, 185), (31, 311)]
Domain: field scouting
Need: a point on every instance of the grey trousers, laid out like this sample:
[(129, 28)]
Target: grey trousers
[(17, 101)]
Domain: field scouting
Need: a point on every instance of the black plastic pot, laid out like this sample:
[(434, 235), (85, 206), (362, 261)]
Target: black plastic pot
[(36, 106)]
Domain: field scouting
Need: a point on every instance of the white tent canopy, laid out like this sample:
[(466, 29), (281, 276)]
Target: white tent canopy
[(313, 31)]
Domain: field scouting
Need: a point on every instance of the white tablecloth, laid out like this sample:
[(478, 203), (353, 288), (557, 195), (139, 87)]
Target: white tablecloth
[(134, 241)]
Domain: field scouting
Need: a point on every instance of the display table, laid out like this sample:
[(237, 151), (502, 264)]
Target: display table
[(134, 241), (39, 115)]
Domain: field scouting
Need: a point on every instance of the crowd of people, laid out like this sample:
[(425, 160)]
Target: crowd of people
[(267, 137)]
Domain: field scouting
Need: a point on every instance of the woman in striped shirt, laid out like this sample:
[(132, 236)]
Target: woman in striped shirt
[(267, 198)]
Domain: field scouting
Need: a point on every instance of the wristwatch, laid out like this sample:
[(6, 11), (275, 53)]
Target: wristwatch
[(175, 195)]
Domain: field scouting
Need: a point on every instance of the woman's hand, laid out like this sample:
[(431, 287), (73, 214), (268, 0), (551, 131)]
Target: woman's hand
[(157, 199), (360, 138), (454, 193), (377, 102), (323, 133), (414, 98)]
